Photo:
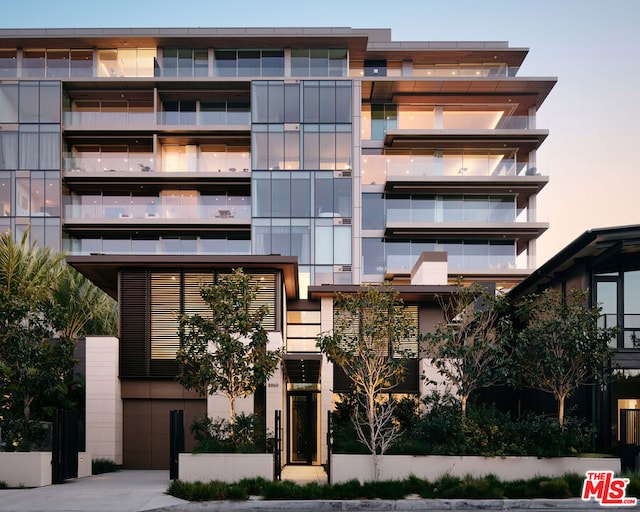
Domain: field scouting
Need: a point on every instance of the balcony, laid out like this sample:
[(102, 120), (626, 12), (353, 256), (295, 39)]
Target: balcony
[(180, 208), (115, 119), (176, 160)]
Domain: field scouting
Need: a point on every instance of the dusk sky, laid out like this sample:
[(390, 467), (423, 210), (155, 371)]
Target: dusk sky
[(591, 46)]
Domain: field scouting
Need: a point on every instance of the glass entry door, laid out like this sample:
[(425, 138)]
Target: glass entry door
[(303, 427)]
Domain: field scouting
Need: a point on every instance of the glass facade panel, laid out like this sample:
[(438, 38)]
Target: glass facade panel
[(373, 211), (9, 107)]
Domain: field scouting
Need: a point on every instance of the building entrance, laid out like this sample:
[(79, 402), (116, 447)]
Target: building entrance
[(302, 427)]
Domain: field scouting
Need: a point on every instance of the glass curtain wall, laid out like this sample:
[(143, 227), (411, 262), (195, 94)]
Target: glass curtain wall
[(30, 161), (301, 175)]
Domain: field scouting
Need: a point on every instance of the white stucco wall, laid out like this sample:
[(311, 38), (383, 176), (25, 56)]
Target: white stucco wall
[(103, 399)]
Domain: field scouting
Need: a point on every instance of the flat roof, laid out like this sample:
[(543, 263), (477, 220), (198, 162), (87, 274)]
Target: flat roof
[(370, 42), (599, 243)]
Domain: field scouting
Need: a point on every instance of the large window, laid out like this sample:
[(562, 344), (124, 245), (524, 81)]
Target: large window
[(618, 296), (318, 62), (126, 62), (380, 255), (249, 63), (185, 62)]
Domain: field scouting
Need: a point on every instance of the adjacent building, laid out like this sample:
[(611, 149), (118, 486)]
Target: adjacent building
[(605, 262), (318, 159)]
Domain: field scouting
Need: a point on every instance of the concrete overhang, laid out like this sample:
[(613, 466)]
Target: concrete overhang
[(103, 269), (520, 92), (523, 187), (522, 140)]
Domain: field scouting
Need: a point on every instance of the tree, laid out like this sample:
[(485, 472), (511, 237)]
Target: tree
[(33, 369), (79, 307), (368, 342), (560, 345), (226, 351), (469, 348)]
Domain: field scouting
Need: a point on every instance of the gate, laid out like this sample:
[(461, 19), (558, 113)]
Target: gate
[(64, 446), (630, 439), (277, 447), (176, 441)]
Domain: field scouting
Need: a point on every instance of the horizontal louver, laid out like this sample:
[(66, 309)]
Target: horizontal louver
[(349, 328), (165, 307), (149, 307)]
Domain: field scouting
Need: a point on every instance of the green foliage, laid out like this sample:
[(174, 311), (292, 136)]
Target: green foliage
[(99, 466), (560, 345), (439, 430), (79, 308), (3, 484), (370, 331), (20, 434), (44, 307), (225, 351), (445, 487), (244, 435), (469, 348)]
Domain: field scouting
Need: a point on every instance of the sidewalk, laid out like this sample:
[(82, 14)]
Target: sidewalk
[(134, 491)]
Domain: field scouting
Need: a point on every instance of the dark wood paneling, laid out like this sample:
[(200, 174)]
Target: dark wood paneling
[(146, 430), (134, 324)]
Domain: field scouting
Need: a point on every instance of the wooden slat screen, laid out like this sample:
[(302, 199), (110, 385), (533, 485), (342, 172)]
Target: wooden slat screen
[(134, 322)]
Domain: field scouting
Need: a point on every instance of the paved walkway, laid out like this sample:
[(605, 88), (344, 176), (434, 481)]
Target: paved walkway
[(122, 491), (134, 491)]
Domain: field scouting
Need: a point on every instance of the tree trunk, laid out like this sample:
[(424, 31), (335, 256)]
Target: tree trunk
[(463, 404), (561, 400), (372, 435), (232, 412)]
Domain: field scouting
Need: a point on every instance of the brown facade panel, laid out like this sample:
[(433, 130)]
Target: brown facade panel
[(146, 430)]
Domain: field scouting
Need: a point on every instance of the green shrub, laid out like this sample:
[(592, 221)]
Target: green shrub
[(555, 488), (199, 491), (245, 435), (99, 466), (3, 484), (22, 435), (447, 487)]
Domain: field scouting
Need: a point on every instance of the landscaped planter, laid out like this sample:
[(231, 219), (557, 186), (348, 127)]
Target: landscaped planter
[(25, 469), (225, 467), (431, 467)]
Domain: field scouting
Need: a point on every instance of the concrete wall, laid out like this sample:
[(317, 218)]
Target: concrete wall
[(431, 467), (225, 467), (25, 469), (103, 399)]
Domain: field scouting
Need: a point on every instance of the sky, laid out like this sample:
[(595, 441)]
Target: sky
[(592, 47)]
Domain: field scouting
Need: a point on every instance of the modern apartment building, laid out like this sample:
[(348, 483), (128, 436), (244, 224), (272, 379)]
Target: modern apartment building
[(318, 159)]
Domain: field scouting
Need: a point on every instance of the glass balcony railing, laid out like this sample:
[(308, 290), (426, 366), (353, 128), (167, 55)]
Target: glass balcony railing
[(109, 162), (158, 245), (377, 169), (203, 118), (105, 119), (174, 159), (149, 209)]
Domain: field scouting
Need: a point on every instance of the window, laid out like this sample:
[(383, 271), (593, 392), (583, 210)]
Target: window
[(185, 62), (249, 63), (126, 62), (318, 62)]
